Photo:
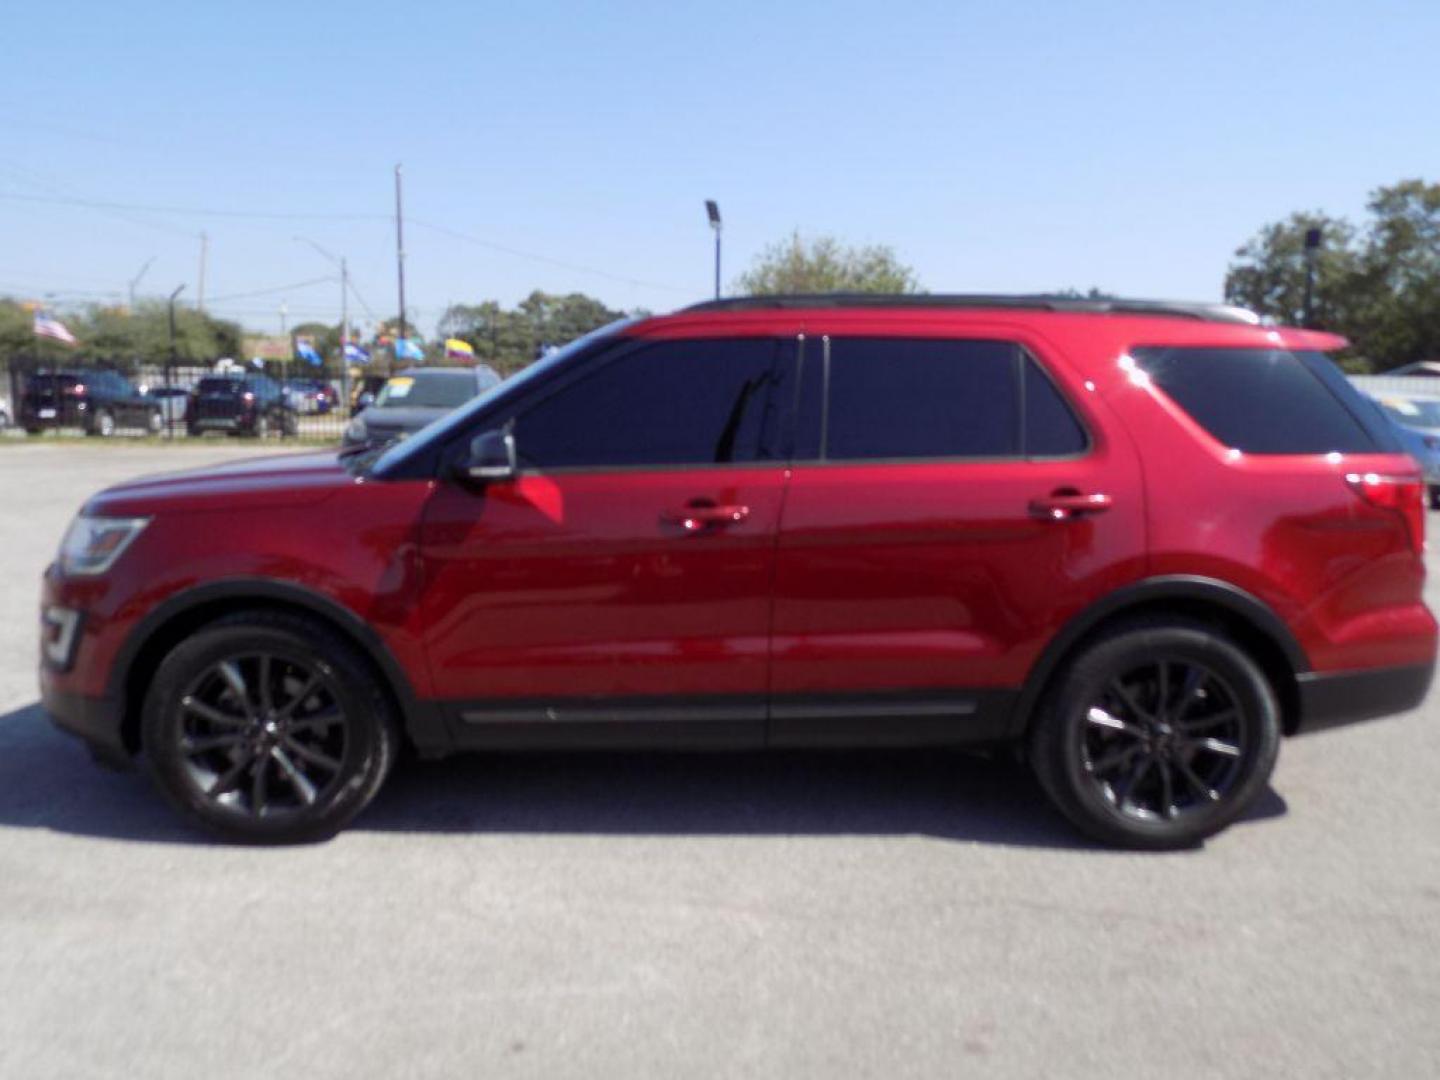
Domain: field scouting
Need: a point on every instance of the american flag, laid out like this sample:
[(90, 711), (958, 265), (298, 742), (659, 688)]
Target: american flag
[(51, 327)]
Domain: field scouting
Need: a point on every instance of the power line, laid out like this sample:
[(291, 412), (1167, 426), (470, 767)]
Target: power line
[(270, 292), (194, 211), (578, 267)]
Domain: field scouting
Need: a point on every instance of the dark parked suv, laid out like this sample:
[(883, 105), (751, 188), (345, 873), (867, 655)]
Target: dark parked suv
[(1140, 542), (100, 402), (249, 404)]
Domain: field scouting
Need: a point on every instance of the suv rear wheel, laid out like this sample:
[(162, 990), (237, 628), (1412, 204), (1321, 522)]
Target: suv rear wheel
[(267, 727), (103, 424), (1156, 736)]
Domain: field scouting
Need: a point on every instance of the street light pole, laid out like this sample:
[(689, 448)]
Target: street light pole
[(344, 334), (712, 211), (1312, 252), (400, 251), (170, 367), (135, 281), (344, 313)]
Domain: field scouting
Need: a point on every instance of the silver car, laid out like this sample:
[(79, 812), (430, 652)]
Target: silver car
[(1417, 422), (413, 398)]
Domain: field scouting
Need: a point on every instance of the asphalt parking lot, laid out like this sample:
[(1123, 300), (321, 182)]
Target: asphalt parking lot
[(788, 916)]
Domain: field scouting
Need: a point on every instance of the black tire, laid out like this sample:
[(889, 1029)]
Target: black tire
[(102, 424), (291, 426), (34, 431), (1132, 742), (297, 757), (155, 423), (1435, 498), (261, 427)]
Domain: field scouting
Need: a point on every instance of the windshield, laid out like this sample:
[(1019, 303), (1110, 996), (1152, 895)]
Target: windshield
[(426, 390), (440, 429)]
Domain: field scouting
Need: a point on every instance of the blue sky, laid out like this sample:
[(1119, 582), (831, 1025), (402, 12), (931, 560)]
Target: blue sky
[(995, 146)]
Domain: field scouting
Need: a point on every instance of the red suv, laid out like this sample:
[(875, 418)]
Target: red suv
[(1139, 541)]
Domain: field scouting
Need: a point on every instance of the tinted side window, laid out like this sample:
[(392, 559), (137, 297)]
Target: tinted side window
[(1051, 429), (676, 403), (914, 398), (1260, 401)]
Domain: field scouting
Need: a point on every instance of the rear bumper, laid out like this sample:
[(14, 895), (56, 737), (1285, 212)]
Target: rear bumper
[(95, 720), (1329, 700)]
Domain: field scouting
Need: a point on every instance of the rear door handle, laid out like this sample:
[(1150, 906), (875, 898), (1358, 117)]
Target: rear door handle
[(1066, 505), (701, 516)]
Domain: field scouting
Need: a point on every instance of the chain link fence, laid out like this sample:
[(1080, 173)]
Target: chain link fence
[(273, 400)]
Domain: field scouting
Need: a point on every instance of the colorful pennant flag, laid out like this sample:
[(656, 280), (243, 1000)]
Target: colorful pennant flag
[(305, 349), (409, 349), (455, 349), (355, 354)]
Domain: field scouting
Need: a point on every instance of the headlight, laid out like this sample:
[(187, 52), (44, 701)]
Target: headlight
[(92, 544), (356, 431)]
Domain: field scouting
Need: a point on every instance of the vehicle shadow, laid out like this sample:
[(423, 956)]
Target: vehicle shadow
[(47, 781)]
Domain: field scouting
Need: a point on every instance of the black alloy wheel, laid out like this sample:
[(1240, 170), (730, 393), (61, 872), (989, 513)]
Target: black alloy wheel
[(262, 734), (1156, 736), (1165, 739), (269, 727)]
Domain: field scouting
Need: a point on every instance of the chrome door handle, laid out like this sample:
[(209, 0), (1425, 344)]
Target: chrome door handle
[(698, 518), (1067, 505)]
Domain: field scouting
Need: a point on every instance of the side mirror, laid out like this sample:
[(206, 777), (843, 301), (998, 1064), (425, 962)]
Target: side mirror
[(492, 456)]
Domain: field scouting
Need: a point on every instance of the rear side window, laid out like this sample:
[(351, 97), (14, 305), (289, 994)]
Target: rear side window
[(911, 399), (920, 398), (1259, 401)]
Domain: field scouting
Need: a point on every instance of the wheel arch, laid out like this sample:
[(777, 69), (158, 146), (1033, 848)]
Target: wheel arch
[(185, 612), (1251, 622)]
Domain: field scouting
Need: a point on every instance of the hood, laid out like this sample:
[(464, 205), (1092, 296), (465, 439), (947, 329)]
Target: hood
[(395, 420), (253, 483)]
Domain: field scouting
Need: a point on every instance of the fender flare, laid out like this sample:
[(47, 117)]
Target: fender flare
[(1186, 587), (417, 717)]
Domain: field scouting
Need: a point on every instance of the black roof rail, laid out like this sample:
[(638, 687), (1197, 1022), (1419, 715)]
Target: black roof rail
[(1208, 312)]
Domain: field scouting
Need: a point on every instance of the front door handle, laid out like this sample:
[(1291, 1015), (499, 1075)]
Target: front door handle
[(698, 516), (1068, 505)]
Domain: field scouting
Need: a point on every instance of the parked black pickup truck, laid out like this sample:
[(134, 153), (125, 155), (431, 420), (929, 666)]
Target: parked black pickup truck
[(100, 402)]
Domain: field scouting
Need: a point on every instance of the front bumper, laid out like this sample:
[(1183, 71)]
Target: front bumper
[(95, 720), (1330, 699)]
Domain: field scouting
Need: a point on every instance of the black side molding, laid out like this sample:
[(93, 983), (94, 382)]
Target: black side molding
[(1329, 700)]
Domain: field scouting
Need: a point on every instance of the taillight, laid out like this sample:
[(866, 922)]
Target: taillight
[(1405, 495), (78, 390)]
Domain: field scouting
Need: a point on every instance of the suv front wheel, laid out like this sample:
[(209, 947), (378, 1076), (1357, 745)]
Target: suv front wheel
[(1156, 736), (267, 727)]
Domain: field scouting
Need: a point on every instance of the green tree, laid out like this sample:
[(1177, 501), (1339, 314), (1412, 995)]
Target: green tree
[(822, 265), (508, 340), (1401, 320), (118, 337), (1378, 285), (1268, 275)]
